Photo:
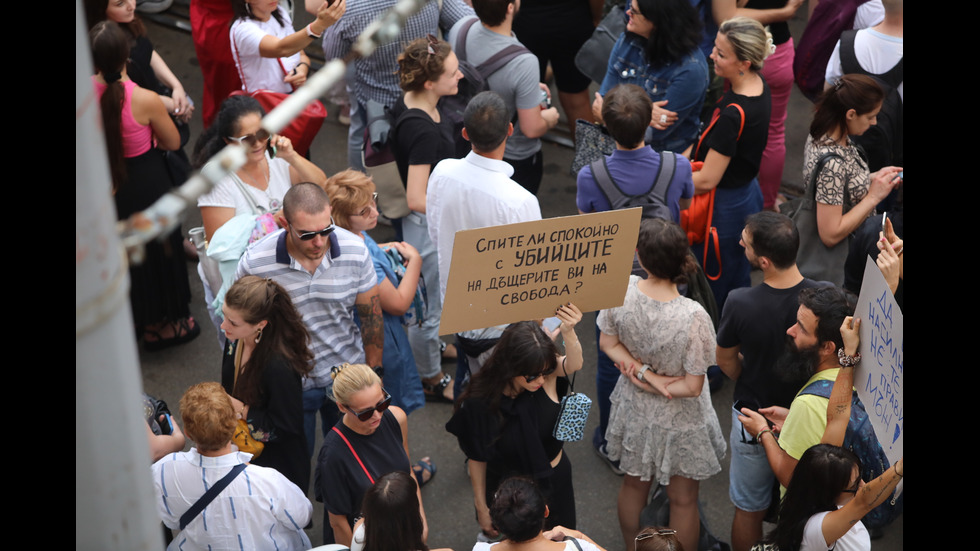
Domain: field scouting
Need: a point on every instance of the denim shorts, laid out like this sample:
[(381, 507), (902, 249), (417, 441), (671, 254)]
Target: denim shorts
[(750, 478)]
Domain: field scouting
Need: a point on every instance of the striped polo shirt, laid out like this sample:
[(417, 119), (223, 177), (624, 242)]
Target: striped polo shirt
[(325, 299)]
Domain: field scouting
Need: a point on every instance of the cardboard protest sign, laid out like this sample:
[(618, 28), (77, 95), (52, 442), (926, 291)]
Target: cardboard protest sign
[(879, 378), (523, 271)]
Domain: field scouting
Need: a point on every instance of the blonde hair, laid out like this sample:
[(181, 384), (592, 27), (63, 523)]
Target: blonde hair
[(751, 41), (209, 417), (349, 379), (348, 190)]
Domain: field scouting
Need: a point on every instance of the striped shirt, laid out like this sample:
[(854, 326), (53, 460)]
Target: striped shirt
[(325, 299), (377, 75)]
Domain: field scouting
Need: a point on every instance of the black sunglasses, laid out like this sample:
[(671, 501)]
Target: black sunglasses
[(545, 373), (369, 412), (306, 236)]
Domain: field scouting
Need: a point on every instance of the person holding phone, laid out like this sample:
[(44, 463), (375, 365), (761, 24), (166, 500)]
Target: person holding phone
[(260, 184)]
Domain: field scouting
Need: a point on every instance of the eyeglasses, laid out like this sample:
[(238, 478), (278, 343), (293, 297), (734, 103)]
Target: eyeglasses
[(648, 535), (545, 373), (306, 236), (252, 139), (369, 412), (374, 205)]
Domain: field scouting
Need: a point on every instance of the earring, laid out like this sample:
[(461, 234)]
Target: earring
[(258, 336), (741, 73), (248, 9)]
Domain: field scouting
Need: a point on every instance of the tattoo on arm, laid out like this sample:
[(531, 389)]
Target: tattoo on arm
[(372, 329)]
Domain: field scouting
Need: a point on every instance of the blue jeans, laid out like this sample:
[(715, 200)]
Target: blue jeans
[(750, 477), (606, 376), (315, 399), (355, 136), (425, 338)]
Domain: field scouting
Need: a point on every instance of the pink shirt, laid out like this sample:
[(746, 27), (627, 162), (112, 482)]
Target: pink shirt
[(137, 139)]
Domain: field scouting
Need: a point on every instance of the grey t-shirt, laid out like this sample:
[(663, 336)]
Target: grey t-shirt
[(516, 82)]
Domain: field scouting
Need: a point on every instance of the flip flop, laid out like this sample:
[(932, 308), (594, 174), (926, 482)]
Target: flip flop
[(418, 469)]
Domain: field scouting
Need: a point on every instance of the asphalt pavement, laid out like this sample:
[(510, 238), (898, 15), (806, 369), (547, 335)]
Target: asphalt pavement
[(448, 498)]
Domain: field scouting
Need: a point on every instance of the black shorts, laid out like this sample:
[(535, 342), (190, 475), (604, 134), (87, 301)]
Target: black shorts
[(555, 33)]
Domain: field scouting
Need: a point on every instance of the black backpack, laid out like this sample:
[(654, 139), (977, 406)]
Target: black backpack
[(883, 142), (475, 78)]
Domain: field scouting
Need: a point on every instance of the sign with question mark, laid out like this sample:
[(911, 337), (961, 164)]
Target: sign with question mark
[(517, 272)]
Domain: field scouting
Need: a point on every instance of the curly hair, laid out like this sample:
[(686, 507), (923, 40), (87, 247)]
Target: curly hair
[(349, 190), (416, 65), (226, 123), (208, 416), (285, 334), (518, 509)]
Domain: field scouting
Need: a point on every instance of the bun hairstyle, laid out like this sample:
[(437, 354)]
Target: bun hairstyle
[(349, 379), (663, 250), (416, 65), (751, 41), (110, 50), (518, 509), (858, 92)]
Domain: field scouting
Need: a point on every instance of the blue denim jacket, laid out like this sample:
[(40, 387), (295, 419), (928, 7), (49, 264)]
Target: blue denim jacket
[(682, 83)]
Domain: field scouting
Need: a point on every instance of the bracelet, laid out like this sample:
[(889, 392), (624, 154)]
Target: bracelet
[(758, 437), (848, 361), (304, 63), (310, 33)]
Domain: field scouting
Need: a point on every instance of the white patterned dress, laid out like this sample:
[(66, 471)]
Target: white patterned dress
[(651, 436)]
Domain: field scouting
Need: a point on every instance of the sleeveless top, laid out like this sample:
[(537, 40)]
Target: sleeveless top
[(137, 139)]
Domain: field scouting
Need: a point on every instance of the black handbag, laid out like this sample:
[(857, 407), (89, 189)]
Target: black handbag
[(592, 58)]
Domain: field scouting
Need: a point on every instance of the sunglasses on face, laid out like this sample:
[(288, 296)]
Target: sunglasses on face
[(306, 236), (252, 139), (368, 413), (545, 373)]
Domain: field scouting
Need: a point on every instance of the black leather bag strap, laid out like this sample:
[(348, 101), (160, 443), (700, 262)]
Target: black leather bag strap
[(209, 495)]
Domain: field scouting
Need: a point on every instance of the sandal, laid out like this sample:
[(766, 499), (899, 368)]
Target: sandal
[(185, 330), (419, 469), (434, 393)]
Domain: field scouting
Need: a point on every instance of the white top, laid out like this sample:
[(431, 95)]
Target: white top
[(260, 509), (226, 193), (357, 542), (856, 539), (257, 72), (472, 192), (876, 53), (869, 14), (569, 546)]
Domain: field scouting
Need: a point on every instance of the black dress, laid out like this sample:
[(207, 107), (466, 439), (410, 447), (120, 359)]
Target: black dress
[(519, 441), (276, 418)]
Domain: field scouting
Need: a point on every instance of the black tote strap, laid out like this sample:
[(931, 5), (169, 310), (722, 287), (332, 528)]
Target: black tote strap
[(209, 495)]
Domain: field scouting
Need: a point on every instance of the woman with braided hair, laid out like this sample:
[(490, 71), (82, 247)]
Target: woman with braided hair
[(265, 359)]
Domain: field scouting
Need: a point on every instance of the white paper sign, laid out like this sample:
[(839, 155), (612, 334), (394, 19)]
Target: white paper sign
[(879, 377)]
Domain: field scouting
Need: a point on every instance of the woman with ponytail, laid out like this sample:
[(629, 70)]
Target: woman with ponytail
[(267, 355), (137, 126)]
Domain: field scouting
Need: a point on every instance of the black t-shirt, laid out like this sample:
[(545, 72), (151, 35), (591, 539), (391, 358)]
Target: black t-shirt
[(419, 140), (745, 151), (780, 29), (756, 320)]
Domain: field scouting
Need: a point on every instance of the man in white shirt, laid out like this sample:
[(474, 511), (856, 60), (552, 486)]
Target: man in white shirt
[(877, 49), (476, 192)]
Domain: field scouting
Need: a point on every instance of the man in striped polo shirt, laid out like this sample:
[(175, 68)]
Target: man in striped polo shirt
[(328, 273)]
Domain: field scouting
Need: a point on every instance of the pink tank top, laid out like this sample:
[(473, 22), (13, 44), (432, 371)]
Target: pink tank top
[(137, 138)]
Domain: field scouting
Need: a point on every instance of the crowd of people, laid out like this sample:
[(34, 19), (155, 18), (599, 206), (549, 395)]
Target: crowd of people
[(315, 316)]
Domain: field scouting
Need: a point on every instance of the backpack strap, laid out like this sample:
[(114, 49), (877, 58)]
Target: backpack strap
[(849, 63), (499, 59), (464, 30), (608, 187), (617, 198), (668, 163), (209, 495)]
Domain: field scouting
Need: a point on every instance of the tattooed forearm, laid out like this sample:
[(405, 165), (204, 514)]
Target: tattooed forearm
[(372, 329)]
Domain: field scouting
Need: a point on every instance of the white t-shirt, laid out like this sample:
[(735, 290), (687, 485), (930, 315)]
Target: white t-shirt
[(227, 193), (856, 539), (257, 72), (876, 53), (869, 14)]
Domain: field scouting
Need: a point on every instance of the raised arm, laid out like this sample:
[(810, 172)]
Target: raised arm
[(301, 169), (869, 496), (326, 15), (397, 300), (839, 405), (572, 361)]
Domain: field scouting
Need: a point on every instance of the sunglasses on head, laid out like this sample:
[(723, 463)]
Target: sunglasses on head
[(660, 532), (545, 373), (368, 413), (252, 139)]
